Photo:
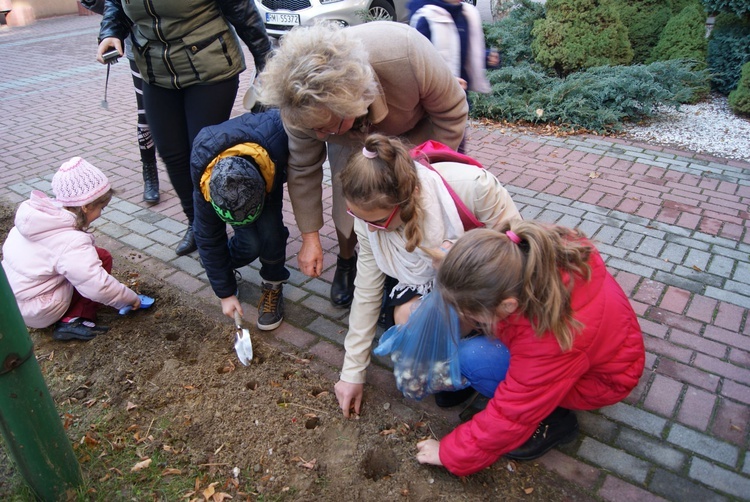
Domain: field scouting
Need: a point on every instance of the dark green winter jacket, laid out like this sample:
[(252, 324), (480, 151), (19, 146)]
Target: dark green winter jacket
[(179, 43)]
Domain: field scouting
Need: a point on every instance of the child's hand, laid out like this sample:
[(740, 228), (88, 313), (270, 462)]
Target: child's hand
[(229, 305), (462, 83), (429, 452), (137, 303)]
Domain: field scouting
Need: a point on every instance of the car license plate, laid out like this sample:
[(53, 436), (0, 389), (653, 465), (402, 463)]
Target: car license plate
[(282, 19)]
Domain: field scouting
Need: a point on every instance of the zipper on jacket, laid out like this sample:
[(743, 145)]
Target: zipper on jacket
[(165, 54)]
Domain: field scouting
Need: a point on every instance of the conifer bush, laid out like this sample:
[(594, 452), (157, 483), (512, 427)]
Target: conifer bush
[(740, 8), (645, 20), (739, 99), (599, 99), (684, 37), (579, 34), (728, 50), (512, 34)]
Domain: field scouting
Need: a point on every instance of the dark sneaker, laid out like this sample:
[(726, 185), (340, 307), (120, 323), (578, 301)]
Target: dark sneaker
[(559, 428), (270, 307), (78, 329)]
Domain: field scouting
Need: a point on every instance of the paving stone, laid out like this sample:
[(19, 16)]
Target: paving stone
[(679, 489), (721, 479), (703, 444), (597, 426), (617, 490), (636, 418), (651, 448), (617, 461)]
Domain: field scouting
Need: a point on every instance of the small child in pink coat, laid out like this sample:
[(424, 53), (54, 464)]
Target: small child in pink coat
[(56, 273)]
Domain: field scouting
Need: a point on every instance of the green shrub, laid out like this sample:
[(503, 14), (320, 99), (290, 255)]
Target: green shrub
[(738, 7), (512, 34), (739, 99), (579, 34), (728, 50), (684, 37), (598, 99), (678, 5), (645, 20)]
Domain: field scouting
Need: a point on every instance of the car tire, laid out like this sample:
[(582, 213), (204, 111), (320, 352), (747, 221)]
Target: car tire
[(381, 10)]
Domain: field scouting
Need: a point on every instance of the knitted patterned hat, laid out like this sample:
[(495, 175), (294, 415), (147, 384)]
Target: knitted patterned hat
[(78, 183), (237, 190)]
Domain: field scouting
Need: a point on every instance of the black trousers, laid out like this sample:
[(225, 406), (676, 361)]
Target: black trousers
[(176, 116)]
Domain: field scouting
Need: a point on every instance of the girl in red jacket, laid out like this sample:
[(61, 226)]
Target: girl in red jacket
[(573, 338)]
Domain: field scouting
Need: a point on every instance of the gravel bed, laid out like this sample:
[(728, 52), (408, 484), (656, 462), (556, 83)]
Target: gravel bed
[(708, 127)]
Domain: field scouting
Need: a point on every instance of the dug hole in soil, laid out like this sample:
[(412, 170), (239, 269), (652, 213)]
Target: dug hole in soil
[(169, 378)]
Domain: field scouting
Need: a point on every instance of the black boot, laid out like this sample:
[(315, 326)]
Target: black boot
[(150, 182), (559, 428), (187, 244), (342, 288)]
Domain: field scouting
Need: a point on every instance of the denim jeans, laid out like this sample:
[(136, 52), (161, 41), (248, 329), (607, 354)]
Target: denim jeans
[(484, 362)]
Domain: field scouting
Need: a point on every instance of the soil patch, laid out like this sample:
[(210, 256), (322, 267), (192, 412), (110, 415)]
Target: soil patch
[(165, 383)]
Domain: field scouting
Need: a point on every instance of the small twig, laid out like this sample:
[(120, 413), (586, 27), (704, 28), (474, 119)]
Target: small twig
[(213, 463), (303, 406), (149, 427)]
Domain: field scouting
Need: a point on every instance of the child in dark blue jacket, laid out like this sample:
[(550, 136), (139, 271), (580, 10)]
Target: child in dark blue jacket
[(238, 169)]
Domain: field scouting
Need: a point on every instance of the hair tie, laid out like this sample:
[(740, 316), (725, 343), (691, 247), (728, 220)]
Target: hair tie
[(367, 153), (513, 237)]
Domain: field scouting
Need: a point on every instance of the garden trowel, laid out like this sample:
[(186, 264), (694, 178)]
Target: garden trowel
[(243, 345)]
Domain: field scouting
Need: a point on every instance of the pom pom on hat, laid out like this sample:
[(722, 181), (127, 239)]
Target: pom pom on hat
[(78, 183)]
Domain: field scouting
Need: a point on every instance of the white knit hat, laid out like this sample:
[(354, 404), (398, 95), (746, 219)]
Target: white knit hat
[(78, 183)]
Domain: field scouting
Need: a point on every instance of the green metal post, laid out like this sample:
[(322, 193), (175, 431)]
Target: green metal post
[(29, 420)]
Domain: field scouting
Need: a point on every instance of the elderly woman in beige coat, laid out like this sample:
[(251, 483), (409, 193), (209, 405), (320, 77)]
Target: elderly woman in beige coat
[(334, 86)]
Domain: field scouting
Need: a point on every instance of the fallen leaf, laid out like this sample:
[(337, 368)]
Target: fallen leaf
[(141, 465), (219, 497), (209, 491), (697, 269), (387, 432), (594, 175), (308, 465), (130, 406), (528, 491), (169, 471)]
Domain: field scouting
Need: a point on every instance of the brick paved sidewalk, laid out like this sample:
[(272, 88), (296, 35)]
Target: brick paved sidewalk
[(673, 227)]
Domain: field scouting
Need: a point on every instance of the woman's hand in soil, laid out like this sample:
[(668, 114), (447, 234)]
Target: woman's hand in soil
[(429, 452), (229, 305), (349, 396)]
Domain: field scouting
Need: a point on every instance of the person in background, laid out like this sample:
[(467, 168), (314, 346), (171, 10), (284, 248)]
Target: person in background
[(56, 272), (455, 28), (401, 209), (334, 86), (573, 338), (239, 169), (143, 132), (190, 58)]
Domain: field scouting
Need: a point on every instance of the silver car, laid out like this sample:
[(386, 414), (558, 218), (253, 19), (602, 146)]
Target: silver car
[(281, 16)]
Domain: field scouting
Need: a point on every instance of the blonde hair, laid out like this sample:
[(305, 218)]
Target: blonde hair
[(81, 223), (318, 72), (485, 267), (390, 179)]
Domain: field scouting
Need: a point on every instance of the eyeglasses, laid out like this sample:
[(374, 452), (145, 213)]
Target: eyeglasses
[(378, 224), (322, 130)]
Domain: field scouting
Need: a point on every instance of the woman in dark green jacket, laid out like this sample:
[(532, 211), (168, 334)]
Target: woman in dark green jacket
[(190, 58)]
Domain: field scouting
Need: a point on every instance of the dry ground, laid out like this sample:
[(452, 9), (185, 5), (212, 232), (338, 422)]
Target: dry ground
[(164, 384)]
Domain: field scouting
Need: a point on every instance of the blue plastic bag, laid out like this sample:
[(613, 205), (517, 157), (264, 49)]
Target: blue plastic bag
[(424, 350)]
